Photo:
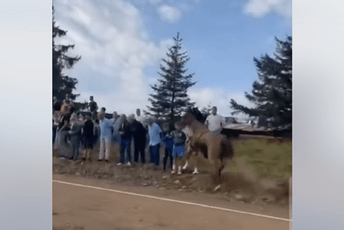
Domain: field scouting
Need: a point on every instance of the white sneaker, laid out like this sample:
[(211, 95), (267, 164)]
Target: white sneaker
[(129, 164), (119, 164)]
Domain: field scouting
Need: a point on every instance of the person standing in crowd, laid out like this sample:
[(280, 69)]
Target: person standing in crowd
[(96, 132), (75, 134), (126, 135), (139, 117), (105, 137), (62, 130), (64, 106), (178, 152), (56, 104), (116, 121), (88, 138), (154, 141), (55, 126), (72, 109), (103, 109), (139, 137), (81, 121), (168, 142), (93, 107), (215, 122)]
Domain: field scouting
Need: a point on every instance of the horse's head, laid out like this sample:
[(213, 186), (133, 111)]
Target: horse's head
[(187, 120)]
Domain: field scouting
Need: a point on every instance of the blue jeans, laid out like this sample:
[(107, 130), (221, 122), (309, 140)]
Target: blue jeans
[(154, 154), (125, 145)]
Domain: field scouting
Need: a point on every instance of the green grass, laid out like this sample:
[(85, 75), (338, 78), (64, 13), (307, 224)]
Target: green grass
[(266, 158)]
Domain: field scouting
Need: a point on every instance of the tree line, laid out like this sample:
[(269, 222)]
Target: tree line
[(271, 93)]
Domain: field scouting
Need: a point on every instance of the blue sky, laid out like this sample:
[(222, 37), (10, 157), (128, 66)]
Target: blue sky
[(122, 43)]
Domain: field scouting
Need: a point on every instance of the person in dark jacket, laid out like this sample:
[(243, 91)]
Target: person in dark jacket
[(139, 136), (126, 134), (88, 137), (168, 143)]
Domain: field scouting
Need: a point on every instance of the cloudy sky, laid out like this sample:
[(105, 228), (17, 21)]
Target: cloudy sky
[(122, 43)]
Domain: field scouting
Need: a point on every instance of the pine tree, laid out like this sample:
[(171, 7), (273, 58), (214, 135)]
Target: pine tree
[(272, 93), (170, 97), (63, 85), (206, 111)]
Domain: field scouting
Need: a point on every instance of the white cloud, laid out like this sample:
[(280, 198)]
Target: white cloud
[(217, 97), (260, 8), (169, 13), (115, 50)]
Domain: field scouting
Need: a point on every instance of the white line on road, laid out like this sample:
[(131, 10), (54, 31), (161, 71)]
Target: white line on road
[(171, 200)]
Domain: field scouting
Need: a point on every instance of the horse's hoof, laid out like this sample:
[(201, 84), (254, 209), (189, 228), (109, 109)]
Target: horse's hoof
[(217, 188), (195, 173)]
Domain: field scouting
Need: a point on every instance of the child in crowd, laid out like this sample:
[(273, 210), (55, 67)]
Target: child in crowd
[(178, 152), (88, 137), (75, 134), (168, 142)]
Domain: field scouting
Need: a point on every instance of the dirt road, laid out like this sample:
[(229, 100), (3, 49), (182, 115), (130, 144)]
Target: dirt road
[(77, 207)]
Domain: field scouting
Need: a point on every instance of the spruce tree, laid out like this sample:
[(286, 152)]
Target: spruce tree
[(63, 85), (272, 92), (206, 111), (170, 96)]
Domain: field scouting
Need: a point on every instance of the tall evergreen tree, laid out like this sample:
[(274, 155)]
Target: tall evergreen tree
[(272, 93), (170, 97), (206, 111), (63, 85)]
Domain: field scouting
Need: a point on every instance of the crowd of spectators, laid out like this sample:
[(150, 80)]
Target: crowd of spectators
[(75, 133)]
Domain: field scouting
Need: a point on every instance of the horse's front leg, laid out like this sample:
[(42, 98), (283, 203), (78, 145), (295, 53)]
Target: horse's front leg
[(188, 155), (195, 171), (217, 167), (186, 164)]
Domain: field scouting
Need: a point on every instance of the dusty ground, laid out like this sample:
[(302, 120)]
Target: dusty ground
[(241, 189), (87, 208)]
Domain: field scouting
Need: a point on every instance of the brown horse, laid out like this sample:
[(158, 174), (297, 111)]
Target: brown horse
[(216, 148)]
